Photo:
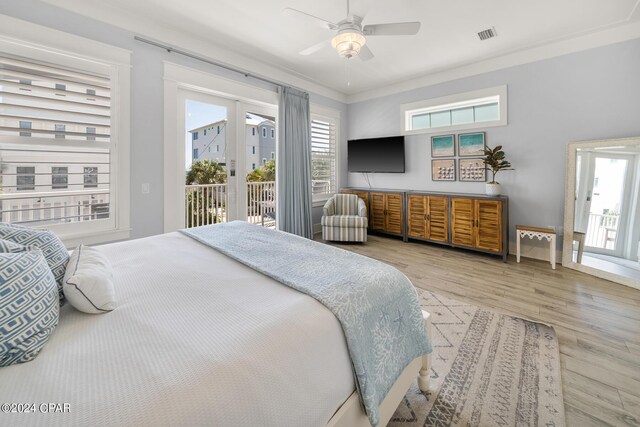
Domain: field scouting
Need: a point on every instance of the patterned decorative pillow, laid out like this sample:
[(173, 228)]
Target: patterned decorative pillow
[(29, 306), (51, 246), (7, 246)]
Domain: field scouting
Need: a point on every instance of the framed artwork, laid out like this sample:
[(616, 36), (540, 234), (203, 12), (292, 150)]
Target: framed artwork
[(443, 170), (472, 170), (471, 144), (443, 146)]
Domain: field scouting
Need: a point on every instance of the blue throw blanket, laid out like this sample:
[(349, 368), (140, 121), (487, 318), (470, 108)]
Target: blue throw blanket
[(375, 303)]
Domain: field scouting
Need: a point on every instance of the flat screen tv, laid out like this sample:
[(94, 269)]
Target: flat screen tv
[(382, 155)]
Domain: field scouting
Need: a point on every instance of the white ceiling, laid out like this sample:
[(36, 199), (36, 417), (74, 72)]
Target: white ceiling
[(447, 39)]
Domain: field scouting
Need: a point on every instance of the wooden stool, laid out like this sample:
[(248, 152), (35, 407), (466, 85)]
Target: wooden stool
[(540, 233), (578, 236)]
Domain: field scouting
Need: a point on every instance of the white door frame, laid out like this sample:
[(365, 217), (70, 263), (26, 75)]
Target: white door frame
[(241, 166), (176, 79)]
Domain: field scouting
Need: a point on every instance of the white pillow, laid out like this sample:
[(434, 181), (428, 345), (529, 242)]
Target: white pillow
[(88, 281)]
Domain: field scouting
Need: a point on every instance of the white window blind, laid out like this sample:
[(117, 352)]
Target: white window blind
[(323, 157), (55, 122)]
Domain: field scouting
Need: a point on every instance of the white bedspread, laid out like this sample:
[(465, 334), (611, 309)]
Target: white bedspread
[(197, 339)]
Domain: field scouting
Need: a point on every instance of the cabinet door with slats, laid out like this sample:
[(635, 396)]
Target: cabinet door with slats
[(377, 211), (438, 218), (417, 215), (394, 213), (489, 225), (462, 218)]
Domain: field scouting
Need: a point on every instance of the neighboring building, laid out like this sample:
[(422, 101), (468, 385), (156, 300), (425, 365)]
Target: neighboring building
[(209, 142), (55, 136), (50, 187)]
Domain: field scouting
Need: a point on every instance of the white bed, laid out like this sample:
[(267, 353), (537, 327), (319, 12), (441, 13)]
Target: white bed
[(197, 339)]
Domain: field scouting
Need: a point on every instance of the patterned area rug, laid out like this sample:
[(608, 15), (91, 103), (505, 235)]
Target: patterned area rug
[(488, 369)]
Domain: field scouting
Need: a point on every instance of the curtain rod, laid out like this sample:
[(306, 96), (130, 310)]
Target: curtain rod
[(245, 73)]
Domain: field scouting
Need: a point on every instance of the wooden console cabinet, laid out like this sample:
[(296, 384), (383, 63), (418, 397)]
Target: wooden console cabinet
[(470, 221)]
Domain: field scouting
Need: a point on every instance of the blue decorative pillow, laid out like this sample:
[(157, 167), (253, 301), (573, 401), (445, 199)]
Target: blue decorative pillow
[(51, 246), (29, 306), (7, 246)]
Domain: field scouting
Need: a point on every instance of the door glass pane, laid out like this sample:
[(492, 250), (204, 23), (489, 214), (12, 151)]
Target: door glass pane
[(606, 203), (205, 163), (260, 161)]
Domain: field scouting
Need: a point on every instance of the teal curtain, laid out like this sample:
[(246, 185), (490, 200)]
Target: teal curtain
[(294, 163)]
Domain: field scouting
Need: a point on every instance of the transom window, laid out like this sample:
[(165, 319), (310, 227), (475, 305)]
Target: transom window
[(483, 108)]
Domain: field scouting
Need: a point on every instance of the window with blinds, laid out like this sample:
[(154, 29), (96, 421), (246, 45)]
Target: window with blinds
[(55, 143), (323, 157)]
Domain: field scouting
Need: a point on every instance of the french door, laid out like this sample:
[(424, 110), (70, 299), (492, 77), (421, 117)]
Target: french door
[(229, 159)]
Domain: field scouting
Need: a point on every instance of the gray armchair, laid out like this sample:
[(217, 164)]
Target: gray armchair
[(344, 219)]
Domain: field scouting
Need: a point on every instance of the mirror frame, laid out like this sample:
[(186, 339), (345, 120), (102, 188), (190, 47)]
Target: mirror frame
[(569, 209)]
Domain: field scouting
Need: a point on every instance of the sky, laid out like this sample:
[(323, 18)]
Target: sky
[(199, 114)]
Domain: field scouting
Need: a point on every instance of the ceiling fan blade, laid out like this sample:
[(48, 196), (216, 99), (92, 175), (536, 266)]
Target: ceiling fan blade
[(395, 29), (322, 22), (365, 53), (313, 49)]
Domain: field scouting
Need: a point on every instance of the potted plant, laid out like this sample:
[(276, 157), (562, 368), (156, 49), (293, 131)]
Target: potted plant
[(495, 161)]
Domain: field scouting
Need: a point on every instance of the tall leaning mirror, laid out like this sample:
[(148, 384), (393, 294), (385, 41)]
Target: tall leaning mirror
[(602, 209)]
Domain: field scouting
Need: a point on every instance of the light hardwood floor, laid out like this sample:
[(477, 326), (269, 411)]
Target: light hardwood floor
[(597, 321)]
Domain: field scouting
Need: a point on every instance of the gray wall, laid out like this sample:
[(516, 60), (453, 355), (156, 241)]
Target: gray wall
[(147, 102), (593, 94)]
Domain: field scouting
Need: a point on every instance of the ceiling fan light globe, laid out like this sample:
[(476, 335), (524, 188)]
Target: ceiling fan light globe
[(348, 43)]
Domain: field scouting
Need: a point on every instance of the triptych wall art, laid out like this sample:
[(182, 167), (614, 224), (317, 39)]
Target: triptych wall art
[(469, 169)]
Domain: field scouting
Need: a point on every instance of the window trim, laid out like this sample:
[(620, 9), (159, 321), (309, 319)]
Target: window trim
[(431, 105), (329, 114), (69, 51)]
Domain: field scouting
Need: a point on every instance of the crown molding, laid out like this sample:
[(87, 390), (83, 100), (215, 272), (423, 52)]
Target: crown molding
[(628, 29), (620, 33), (138, 25)]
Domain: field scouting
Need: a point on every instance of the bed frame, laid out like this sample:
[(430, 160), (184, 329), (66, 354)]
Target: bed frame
[(350, 414)]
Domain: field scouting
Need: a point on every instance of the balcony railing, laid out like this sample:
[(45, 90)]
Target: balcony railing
[(261, 203), (207, 204), (602, 231), (54, 207)]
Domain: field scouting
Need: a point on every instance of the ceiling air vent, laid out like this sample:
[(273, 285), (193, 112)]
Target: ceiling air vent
[(487, 34)]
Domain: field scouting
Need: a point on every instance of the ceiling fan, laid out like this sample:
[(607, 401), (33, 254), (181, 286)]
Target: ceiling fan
[(350, 35)]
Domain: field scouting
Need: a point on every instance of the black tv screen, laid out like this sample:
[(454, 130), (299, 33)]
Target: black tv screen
[(385, 155)]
